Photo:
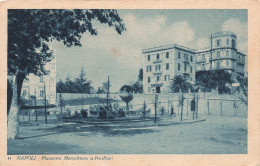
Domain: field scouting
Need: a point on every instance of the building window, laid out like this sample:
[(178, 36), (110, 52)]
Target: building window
[(148, 68), (157, 67), (167, 54), (158, 78), (179, 55), (179, 66), (24, 92), (149, 89), (227, 53), (190, 69), (158, 56), (218, 42), (227, 62), (149, 79), (233, 43), (203, 57), (191, 58), (218, 54), (185, 67), (166, 77), (218, 64), (203, 67), (167, 66), (41, 78), (227, 42), (148, 57)]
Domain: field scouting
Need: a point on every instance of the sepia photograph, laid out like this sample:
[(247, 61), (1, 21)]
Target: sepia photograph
[(127, 81)]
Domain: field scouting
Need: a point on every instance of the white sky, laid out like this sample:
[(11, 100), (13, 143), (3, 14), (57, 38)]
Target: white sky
[(120, 56)]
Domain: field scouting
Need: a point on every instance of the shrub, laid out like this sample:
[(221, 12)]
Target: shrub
[(103, 114), (121, 113), (84, 113)]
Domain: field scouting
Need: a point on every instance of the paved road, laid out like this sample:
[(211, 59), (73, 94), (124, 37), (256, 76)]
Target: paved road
[(216, 135)]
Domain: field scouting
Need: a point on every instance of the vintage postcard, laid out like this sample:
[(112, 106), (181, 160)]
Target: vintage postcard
[(130, 83)]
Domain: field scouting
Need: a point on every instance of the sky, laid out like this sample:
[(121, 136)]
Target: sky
[(120, 56)]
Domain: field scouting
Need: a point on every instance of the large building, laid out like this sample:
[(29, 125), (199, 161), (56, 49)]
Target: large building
[(37, 86), (222, 54), (161, 64)]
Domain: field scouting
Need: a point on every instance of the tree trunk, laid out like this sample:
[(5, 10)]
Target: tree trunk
[(127, 107), (20, 79), (181, 106), (13, 116)]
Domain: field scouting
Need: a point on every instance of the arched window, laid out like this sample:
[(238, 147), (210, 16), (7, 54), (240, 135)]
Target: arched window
[(218, 54), (227, 53)]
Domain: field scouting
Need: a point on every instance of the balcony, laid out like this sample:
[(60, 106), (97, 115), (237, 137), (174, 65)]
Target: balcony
[(233, 57), (201, 60), (157, 61), (157, 85), (241, 62), (186, 73), (157, 72), (186, 60)]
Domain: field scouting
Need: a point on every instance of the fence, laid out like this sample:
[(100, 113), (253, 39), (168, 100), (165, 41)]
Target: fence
[(211, 104)]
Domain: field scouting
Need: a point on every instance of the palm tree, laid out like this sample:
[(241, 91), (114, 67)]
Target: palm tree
[(180, 82)]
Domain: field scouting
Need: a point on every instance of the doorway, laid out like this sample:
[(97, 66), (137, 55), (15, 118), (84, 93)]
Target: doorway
[(158, 89)]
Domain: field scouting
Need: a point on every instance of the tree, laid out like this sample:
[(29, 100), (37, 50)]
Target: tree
[(140, 75), (127, 99), (106, 86), (180, 82), (214, 79), (222, 78), (243, 88), (138, 87), (29, 32), (126, 89)]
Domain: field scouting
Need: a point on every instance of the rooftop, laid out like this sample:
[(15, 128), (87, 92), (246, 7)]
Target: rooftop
[(223, 33), (166, 47)]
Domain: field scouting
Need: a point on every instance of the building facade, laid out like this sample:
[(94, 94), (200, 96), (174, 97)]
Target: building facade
[(161, 64), (37, 86), (222, 54)]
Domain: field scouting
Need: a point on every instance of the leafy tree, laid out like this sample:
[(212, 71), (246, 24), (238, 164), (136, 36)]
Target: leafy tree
[(243, 88), (127, 99), (138, 87), (180, 82), (126, 89), (222, 78), (214, 79), (140, 75), (106, 86), (30, 30), (100, 90)]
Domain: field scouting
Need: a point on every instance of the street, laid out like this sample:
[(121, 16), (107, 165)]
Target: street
[(216, 135)]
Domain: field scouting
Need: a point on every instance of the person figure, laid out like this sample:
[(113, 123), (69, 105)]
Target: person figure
[(172, 111)]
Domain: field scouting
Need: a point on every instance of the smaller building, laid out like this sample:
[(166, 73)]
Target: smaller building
[(37, 86), (222, 54), (161, 64)]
